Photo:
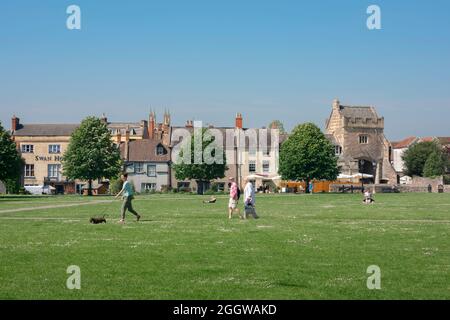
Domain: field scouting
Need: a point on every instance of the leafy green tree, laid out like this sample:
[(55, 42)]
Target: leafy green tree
[(115, 185), (416, 156), (307, 155), (202, 171), (277, 124), (11, 163), (435, 165), (91, 154)]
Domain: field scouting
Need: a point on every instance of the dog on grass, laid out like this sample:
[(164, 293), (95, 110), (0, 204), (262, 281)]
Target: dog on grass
[(97, 220)]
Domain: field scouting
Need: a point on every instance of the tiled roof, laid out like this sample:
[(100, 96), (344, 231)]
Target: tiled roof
[(405, 143), (144, 150), (427, 139), (45, 129), (135, 128), (444, 140), (358, 112)]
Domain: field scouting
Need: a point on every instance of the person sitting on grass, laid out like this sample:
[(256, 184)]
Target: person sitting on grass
[(368, 197), (211, 200), (127, 196)]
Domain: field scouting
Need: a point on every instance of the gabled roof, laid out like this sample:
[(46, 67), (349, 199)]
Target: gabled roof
[(45, 129), (134, 127), (144, 151), (405, 143)]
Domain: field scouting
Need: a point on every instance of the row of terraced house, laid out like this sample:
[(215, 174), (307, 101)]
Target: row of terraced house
[(357, 133)]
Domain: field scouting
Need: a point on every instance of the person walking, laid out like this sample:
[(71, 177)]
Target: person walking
[(249, 200), (127, 196), (234, 197), (311, 187)]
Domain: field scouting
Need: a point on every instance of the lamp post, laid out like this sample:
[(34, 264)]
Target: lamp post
[(375, 165), (361, 162)]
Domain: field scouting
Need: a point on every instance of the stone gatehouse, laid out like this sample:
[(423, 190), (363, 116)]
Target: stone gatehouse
[(357, 132)]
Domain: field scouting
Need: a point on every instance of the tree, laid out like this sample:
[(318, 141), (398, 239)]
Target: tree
[(91, 154), (11, 163), (307, 155), (278, 125), (202, 171), (435, 165), (415, 157)]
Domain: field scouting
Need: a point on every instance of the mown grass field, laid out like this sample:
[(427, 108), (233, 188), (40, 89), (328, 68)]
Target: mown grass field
[(303, 247)]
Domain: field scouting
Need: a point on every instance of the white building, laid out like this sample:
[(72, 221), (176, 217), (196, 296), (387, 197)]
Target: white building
[(399, 147)]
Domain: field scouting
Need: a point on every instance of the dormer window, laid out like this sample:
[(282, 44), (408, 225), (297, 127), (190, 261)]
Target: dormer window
[(337, 150), (160, 150), (363, 139)]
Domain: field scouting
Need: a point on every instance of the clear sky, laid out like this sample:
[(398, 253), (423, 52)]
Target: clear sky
[(207, 60)]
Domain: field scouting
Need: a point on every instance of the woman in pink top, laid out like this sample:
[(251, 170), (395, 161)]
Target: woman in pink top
[(234, 197)]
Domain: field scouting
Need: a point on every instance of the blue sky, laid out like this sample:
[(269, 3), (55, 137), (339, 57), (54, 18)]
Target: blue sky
[(207, 60)]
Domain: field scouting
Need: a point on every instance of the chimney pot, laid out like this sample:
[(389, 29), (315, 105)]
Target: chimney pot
[(15, 122), (238, 122)]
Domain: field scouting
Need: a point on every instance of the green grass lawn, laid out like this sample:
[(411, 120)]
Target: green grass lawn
[(303, 247)]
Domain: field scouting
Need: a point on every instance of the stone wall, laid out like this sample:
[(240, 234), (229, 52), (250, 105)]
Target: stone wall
[(388, 188), (424, 182)]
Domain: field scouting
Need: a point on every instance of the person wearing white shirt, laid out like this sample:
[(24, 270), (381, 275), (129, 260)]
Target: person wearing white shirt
[(249, 200)]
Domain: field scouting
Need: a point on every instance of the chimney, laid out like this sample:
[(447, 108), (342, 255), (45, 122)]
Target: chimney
[(336, 105), (144, 127), (189, 124), (15, 122), (238, 123), (104, 119), (151, 125), (127, 134)]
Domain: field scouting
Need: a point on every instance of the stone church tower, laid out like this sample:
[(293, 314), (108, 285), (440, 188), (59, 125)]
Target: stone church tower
[(357, 133)]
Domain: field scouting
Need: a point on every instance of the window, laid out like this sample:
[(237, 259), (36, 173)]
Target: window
[(53, 170), (266, 166), (29, 170), (160, 150), (183, 184), (54, 148), (138, 167), (148, 186), (252, 166), (220, 186), (27, 148), (337, 150), (363, 139), (151, 170), (129, 167)]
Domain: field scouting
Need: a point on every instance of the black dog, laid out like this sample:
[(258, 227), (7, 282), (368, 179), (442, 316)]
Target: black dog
[(97, 220)]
